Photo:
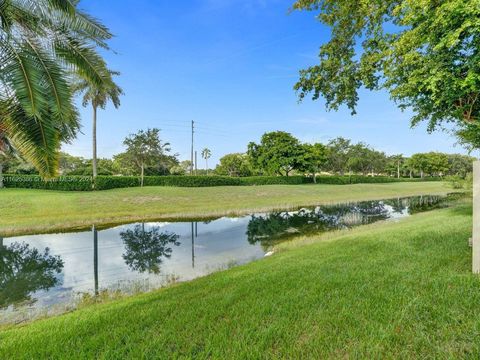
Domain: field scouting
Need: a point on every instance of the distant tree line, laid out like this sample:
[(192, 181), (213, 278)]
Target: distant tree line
[(277, 154), (280, 153)]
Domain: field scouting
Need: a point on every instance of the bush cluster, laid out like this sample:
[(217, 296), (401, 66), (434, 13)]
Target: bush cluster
[(359, 179), (86, 183), (64, 183)]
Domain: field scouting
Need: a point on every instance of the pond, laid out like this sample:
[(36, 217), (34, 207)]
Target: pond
[(51, 273)]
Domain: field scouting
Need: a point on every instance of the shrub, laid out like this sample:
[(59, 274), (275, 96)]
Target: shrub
[(115, 182), (64, 183), (191, 181), (360, 179), (333, 180), (275, 180), (458, 182)]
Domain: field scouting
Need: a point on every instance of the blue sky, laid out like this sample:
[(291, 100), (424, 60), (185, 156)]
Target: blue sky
[(230, 65)]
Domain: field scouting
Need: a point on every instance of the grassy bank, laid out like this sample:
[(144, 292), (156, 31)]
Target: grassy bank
[(383, 291), (26, 211)]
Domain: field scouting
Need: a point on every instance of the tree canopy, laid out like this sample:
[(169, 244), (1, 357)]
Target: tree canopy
[(425, 53), (278, 153), (145, 149), (468, 136), (235, 164), (43, 44), (314, 159)]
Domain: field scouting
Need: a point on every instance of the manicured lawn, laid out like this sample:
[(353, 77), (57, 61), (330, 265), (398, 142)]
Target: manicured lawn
[(27, 211), (395, 290)]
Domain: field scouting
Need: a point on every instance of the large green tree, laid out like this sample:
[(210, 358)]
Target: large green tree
[(235, 164), (43, 43), (469, 136), (419, 163), (359, 158), (425, 53), (338, 154), (98, 96), (278, 153), (432, 163), (144, 149), (314, 159), (459, 164), (394, 164)]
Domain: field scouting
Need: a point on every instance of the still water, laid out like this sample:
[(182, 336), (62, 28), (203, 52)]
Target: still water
[(42, 274)]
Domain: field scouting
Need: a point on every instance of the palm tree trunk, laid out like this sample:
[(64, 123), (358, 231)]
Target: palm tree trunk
[(398, 169), (94, 140), (141, 176)]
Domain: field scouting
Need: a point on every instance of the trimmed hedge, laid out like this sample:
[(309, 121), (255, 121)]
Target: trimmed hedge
[(86, 183), (111, 182), (276, 180), (360, 179), (64, 183), (115, 182)]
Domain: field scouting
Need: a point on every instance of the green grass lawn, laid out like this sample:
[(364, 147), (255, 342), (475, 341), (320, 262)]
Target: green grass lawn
[(389, 290), (26, 211)]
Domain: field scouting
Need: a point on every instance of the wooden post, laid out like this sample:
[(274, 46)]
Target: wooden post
[(476, 219)]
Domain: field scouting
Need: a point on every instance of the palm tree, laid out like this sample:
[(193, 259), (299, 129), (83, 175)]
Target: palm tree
[(42, 43), (98, 96), (206, 154)]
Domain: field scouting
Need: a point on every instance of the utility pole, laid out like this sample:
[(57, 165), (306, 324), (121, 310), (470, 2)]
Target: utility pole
[(195, 162), (191, 154)]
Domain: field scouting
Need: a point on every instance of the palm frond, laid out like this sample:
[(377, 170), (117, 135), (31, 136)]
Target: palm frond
[(54, 83), (82, 58), (22, 74), (64, 6), (41, 43), (38, 140), (6, 20)]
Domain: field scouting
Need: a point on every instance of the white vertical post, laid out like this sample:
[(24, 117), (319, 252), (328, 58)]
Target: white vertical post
[(476, 219)]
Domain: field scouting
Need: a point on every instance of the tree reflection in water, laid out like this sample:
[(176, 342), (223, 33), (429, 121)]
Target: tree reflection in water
[(145, 249), (270, 228), (25, 270), (425, 203)]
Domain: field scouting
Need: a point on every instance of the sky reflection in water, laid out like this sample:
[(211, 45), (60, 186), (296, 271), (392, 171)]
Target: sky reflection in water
[(39, 271)]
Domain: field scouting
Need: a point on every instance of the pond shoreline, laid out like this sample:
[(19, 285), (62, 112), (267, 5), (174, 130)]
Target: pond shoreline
[(43, 225), (141, 257), (228, 301)]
